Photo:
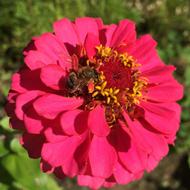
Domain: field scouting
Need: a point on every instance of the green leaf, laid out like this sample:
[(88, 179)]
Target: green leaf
[(21, 169), (26, 173), (16, 146), (3, 186), (3, 149), (5, 124), (46, 182)]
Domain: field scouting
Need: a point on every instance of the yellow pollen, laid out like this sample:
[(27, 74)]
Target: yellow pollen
[(106, 93), (95, 93), (111, 90), (104, 51), (108, 100), (136, 95), (103, 85), (98, 87), (116, 91)]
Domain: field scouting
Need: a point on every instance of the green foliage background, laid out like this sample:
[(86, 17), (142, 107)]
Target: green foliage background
[(167, 20)]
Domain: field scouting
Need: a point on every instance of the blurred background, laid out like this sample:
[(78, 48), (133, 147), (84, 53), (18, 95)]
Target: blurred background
[(169, 23)]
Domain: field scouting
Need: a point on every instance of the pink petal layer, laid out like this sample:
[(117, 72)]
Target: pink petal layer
[(65, 31), (33, 122), (23, 102), (50, 105), (102, 157), (151, 163), (127, 150), (74, 122), (170, 91), (124, 34), (90, 44), (51, 46), (36, 59), (70, 168), (110, 29), (109, 184), (27, 80), (52, 76), (81, 156), (90, 181), (122, 175), (145, 53), (150, 142), (163, 117), (53, 134), (60, 153), (159, 74), (97, 122), (87, 25)]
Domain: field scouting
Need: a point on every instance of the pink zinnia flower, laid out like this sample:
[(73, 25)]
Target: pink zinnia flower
[(95, 102)]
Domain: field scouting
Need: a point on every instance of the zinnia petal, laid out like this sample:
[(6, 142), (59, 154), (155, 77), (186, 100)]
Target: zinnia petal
[(144, 51), (122, 175), (48, 74), (74, 122), (102, 166), (98, 125), (124, 33), (53, 154), (156, 114), (166, 92), (36, 59), (127, 151), (87, 25), (50, 105), (92, 182), (90, 44), (33, 122), (148, 141), (66, 32), (24, 100)]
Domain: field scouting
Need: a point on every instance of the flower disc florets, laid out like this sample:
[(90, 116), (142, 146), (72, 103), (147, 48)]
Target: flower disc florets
[(109, 78)]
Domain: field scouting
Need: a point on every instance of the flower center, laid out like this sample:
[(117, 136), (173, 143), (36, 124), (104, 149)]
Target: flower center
[(110, 78)]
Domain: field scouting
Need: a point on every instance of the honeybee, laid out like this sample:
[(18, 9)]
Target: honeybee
[(77, 81)]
